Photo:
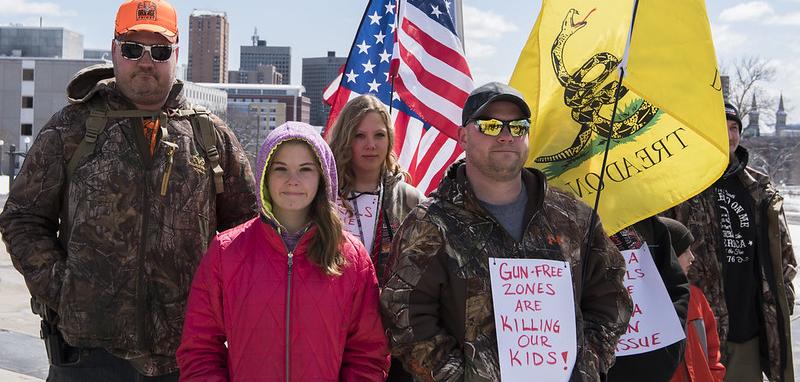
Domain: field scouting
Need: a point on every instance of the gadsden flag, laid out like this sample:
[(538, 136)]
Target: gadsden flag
[(669, 137)]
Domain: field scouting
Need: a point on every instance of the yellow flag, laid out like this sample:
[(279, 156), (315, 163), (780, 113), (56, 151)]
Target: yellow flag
[(669, 137)]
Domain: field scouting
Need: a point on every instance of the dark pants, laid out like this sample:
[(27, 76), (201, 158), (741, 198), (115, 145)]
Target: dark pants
[(397, 373), (98, 365)]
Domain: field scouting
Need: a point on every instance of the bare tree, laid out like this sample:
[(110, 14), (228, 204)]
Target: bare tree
[(748, 75), (245, 126), (775, 156)]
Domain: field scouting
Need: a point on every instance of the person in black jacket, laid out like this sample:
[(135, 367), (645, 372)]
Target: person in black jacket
[(657, 365)]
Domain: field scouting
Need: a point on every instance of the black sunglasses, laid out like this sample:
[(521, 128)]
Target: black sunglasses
[(134, 50)]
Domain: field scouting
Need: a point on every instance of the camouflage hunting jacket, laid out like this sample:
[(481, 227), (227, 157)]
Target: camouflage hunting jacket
[(399, 199), (437, 302), (105, 249), (775, 258)]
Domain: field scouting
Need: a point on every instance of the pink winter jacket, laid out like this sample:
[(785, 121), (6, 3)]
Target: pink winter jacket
[(239, 296)]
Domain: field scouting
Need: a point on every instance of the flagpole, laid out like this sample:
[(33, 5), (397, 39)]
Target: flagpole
[(394, 74), (460, 26), (601, 185)]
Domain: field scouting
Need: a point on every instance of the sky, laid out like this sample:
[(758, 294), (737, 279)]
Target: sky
[(495, 31)]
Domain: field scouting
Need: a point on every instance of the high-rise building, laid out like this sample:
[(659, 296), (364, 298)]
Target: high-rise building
[(208, 47), (318, 72), (20, 41), (259, 53)]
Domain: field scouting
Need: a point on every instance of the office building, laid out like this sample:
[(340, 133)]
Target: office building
[(264, 74), (213, 99), (21, 41), (243, 97), (208, 47), (31, 91), (259, 53), (318, 72)]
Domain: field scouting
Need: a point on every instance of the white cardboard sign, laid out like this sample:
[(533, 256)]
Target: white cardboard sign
[(534, 313), (654, 323), (368, 213)]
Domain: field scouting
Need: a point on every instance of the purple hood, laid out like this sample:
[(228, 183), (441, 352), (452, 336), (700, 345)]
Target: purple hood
[(294, 131)]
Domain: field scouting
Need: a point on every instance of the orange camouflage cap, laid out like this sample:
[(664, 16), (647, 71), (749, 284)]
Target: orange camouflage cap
[(147, 15)]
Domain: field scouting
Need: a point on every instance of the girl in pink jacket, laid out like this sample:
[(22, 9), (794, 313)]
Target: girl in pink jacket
[(287, 296)]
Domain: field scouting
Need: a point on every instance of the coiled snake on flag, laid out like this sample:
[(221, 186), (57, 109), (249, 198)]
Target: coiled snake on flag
[(586, 98)]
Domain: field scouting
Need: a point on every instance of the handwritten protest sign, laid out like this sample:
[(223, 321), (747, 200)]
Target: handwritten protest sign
[(534, 315), (654, 323)]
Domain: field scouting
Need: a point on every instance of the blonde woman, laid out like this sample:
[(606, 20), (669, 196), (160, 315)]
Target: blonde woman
[(375, 197), (374, 194)]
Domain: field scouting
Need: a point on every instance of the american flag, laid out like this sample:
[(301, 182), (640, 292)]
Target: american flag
[(420, 70)]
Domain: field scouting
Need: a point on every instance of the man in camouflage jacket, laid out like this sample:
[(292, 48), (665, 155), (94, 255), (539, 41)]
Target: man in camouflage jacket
[(113, 246), (773, 267), (437, 302)]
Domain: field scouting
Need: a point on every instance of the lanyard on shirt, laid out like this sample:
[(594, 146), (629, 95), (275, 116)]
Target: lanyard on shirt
[(354, 198)]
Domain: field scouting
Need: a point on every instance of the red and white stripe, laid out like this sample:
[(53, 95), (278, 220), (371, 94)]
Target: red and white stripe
[(336, 96), (333, 87), (433, 77), (425, 154)]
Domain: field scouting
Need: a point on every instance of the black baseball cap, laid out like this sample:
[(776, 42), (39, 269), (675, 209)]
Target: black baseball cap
[(486, 94), (731, 114)]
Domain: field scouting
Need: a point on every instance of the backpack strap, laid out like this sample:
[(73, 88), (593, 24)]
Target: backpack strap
[(95, 125), (200, 118), (206, 136)]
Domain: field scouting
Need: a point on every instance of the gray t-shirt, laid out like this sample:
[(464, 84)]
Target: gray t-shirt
[(510, 215)]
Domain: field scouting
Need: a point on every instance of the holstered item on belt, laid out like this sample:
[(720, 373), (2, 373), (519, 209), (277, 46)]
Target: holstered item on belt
[(59, 353)]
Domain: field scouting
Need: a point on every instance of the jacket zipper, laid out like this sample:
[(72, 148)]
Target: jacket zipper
[(141, 285), (141, 293), (171, 147), (290, 255), (288, 313)]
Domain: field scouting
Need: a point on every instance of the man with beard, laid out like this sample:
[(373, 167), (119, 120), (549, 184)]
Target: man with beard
[(744, 264), (437, 302), (116, 203)]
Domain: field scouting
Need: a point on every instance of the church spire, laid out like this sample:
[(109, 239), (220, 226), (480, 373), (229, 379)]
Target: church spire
[(753, 129), (780, 118)]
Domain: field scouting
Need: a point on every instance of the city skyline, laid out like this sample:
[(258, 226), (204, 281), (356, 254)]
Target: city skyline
[(495, 31)]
